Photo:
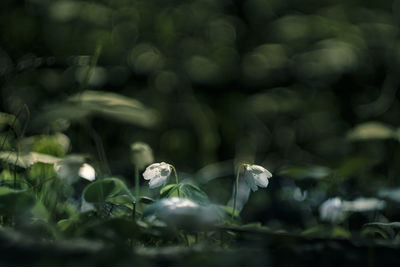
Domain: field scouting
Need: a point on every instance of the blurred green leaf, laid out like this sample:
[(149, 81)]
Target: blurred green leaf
[(146, 200), (313, 172), (103, 104), (186, 191), (39, 211), (25, 160), (385, 230), (371, 130)]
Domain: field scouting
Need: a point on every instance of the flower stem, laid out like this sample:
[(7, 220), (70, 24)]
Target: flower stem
[(175, 173), (137, 182), (236, 190), (176, 177)]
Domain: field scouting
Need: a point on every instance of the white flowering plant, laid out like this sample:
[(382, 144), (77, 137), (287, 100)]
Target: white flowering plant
[(254, 175)]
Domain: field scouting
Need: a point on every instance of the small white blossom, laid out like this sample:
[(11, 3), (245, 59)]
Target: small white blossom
[(157, 174), (71, 168), (332, 210), (256, 176), (87, 172), (364, 204), (183, 213), (141, 155)]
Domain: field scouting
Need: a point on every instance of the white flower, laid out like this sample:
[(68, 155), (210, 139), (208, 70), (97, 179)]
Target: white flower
[(87, 172), (183, 213), (141, 155), (364, 204), (158, 174), (332, 210), (71, 168), (256, 175)]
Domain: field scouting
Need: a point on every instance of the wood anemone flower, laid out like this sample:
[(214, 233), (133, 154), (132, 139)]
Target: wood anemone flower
[(183, 213), (157, 174), (256, 176)]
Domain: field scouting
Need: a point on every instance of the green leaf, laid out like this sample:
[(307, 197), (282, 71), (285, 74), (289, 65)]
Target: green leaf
[(371, 130), (25, 160), (146, 200), (104, 104), (299, 173), (165, 191), (194, 193), (64, 224), (107, 190), (39, 211), (189, 191), (386, 230), (124, 200)]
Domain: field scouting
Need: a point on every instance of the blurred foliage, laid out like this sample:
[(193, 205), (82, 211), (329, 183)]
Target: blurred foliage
[(307, 89)]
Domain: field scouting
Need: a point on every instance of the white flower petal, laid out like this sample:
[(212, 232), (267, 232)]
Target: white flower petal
[(157, 173), (250, 181), (87, 172), (158, 181), (256, 175), (332, 210)]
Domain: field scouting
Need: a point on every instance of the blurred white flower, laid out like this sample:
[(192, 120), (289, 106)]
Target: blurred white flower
[(157, 174), (392, 194), (364, 204), (87, 172), (256, 176), (141, 155), (332, 210), (183, 213), (71, 168)]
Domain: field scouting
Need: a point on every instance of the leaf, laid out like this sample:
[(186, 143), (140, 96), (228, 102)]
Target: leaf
[(64, 224), (146, 200), (124, 200), (194, 193), (39, 211), (314, 172), (371, 130), (107, 190), (170, 191), (189, 191), (25, 160), (386, 230), (104, 104)]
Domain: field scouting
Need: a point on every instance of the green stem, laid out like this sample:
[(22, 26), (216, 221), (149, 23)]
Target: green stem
[(176, 177), (236, 190), (137, 182)]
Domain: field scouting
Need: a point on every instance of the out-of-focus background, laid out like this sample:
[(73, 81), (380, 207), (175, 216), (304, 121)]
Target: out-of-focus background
[(307, 89)]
